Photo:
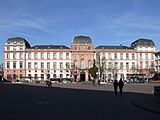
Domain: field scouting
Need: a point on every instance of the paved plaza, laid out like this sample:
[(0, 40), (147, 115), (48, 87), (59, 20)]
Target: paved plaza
[(80, 101)]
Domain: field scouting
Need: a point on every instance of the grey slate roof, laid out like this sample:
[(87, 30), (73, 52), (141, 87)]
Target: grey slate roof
[(19, 39), (143, 42), (157, 54), (82, 40), (113, 47), (49, 47)]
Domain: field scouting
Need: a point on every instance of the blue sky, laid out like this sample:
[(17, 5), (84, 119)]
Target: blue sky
[(107, 22)]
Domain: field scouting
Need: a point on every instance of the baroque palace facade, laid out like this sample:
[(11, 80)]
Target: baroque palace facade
[(41, 62)]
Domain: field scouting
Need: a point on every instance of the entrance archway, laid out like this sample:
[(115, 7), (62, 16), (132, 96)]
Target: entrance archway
[(82, 76)]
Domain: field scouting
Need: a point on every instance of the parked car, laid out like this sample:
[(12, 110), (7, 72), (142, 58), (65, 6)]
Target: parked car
[(155, 77), (157, 91), (54, 80), (137, 80), (64, 80)]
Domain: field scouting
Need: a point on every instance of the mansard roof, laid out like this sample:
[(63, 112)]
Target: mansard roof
[(18, 40), (113, 47), (82, 40), (142, 42), (157, 54), (50, 47)]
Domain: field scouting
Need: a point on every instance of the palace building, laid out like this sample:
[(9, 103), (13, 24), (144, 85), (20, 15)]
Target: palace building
[(42, 62)]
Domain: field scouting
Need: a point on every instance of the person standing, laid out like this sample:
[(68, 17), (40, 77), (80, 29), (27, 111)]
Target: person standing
[(115, 85), (120, 84), (2, 80)]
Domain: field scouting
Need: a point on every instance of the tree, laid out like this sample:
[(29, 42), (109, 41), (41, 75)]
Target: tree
[(72, 69), (101, 64), (93, 71)]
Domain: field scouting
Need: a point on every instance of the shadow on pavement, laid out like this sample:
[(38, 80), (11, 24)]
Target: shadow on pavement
[(23, 102)]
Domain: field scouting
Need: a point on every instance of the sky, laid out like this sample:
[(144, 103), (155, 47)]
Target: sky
[(57, 22)]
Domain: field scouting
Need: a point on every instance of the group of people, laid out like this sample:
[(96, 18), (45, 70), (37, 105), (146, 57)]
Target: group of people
[(117, 84)]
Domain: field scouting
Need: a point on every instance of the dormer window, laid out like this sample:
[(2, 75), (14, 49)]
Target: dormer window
[(15, 42)]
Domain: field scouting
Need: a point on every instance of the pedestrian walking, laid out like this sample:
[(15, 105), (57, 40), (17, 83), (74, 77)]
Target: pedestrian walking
[(48, 83), (120, 84), (115, 85), (2, 80)]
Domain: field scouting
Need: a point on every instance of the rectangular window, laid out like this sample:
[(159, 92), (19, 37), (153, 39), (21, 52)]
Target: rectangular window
[(21, 65), (48, 65), (152, 65), (103, 56), (133, 56), (82, 64), (29, 76), (82, 48), (54, 65), (67, 65), (61, 65), (121, 65), (48, 76), (146, 56), (21, 76), (54, 55), (14, 47), (109, 55), (21, 56), (67, 56), (7, 56), (21, 48), (42, 55), (14, 55), (29, 55), (115, 64), (121, 56), (61, 75), (29, 65), (14, 76), (127, 65), (35, 55), (54, 75), (109, 65), (8, 65), (9, 77), (141, 64), (147, 64), (75, 64), (35, 65), (61, 55), (127, 56), (152, 56), (8, 48), (133, 64), (42, 76), (115, 55), (48, 55), (140, 55), (42, 65), (14, 65), (35, 76)]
